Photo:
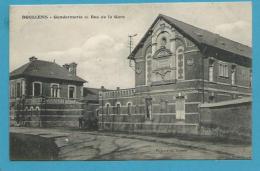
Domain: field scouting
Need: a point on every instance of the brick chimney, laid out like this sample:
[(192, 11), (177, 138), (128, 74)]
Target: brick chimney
[(66, 66), (73, 68), (33, 58), (102, 88)]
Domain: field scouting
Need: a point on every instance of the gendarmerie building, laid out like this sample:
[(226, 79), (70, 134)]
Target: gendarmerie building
[(180, 69)]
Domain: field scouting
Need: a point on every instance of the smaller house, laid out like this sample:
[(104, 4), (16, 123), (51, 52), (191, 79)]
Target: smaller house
[(43, 93)]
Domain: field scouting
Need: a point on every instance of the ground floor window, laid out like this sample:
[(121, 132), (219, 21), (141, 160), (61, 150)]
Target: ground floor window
[(180, 108), (129, 108), (163, 106), (118, 108), (107, 110), (148, 104)]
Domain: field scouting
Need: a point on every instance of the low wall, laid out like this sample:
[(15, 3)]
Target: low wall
[(138, 123), (49, 115), (227, 119)]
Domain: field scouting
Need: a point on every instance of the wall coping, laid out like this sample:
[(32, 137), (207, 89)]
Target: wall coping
[(226, 103)]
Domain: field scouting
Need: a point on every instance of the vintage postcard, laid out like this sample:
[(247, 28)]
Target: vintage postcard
[(162, 81)]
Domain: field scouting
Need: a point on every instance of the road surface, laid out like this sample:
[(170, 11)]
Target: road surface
[(80, 145)]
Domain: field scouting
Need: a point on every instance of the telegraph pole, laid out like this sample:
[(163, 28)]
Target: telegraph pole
[(130, 48), (131, 42)]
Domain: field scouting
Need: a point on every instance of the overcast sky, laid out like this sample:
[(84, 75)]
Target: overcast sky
[(100, 46)]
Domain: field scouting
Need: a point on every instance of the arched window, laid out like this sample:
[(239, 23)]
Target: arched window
[(148, 68), (97, 112), (118, 106), (107, 108), (129, 104), (180, 63), (163, 41)]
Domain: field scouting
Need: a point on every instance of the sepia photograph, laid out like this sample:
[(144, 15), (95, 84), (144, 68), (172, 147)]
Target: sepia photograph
[(151, 81)]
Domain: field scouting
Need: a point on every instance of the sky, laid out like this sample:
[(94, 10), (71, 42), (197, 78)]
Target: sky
[(100, 45)]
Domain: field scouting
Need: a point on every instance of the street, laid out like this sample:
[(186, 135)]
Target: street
[(80, 145)]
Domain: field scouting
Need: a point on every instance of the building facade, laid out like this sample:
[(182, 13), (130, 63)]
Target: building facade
[(177, 67), (44, 93)]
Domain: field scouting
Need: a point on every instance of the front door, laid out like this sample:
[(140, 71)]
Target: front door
[(180, 108)]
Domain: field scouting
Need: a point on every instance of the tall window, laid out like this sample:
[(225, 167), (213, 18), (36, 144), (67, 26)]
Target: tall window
[(12, 89), (223, 69), (37, 89), (180, 63), (211, 70), (107, 110), (233, 75), (72, 92), (148, 105), (128, 108), (251, 78), (163, 108), (55, 91), (163, 42), (18, 89), (180, 108), (118, 108)]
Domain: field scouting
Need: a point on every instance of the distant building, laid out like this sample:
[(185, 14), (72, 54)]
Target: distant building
[(178, 67), (41, 91)]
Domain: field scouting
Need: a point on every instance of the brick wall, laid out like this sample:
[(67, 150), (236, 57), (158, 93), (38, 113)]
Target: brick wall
[(47, 115), (228, 119)]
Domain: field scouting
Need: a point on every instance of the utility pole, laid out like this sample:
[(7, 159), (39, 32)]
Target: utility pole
[(130, 48), (131, 42)]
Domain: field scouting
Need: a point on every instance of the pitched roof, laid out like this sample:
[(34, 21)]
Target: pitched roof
[(45, 69), (201, 36), (90, 93), (87, 90)]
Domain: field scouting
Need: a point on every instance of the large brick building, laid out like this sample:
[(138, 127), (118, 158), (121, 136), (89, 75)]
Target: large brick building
[(178, 67), (43, 93)]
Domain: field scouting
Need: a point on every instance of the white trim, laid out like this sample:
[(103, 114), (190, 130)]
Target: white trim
[(75, 91), (38, 82)]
